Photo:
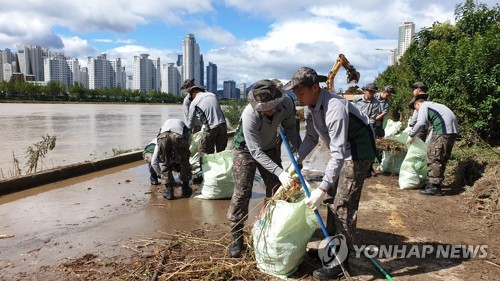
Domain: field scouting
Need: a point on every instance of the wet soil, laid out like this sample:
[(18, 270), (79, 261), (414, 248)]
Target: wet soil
[(113, 225)]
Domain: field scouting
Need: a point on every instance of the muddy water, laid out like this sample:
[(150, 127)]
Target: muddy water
[(104, 211), (84, 131), (98, 213)]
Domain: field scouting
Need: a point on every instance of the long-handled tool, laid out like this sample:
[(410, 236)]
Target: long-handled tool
[(306, 190)]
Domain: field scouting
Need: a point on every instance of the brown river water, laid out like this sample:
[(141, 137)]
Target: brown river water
[(101, 211), (84, 131)]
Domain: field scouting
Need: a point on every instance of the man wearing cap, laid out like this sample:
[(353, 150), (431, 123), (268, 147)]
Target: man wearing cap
[(279, 85), (367, 103), (188, 83), (444, 133), (173, 145), (419, 89), (255, 148), (347, 132), (384, 98), (207, 109)]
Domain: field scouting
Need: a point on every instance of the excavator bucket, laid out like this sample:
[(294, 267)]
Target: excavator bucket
[(353, 76)]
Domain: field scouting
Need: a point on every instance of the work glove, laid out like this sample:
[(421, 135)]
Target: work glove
[(316, 198), (285, 179), (291, 168), (409, 140)]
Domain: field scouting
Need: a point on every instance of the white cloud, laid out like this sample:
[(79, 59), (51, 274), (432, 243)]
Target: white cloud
[(301, 33), (104, 40), (77, 48)]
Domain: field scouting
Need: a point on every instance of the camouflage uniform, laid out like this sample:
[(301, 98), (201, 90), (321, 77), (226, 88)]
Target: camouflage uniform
[(444, 132), (344, 202), (347, 132), (438, 153), (173, 146), (213, 140), (244, 167)]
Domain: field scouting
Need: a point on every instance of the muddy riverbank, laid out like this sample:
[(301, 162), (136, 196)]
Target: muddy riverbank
[(113, 225)]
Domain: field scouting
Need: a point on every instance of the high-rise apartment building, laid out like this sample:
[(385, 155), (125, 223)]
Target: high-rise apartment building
[(7, 56), (202, 71), (99, 69), (157, 75), (74, 71), (84, 77), (243, 91), (212, 77), (7, 70), (171, 79), (117, 74), (23, 61), (30, 62), (146, 73), (56, 69), (1, 65), (393, 57), (191, 59), (229, 90), (405, 37), (36, 62)]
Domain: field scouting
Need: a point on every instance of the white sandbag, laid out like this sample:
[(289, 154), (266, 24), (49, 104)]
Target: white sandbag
[(391, 161), (217, 177), (413, 172), (392, 128), (280, 236)]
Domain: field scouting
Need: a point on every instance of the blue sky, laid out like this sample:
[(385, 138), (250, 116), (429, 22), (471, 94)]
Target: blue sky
[(248, 40)]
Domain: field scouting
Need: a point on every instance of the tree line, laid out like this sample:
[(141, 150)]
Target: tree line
[(56, 91), (460, 65)]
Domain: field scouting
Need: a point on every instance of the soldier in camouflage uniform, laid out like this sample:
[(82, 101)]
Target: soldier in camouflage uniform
[(255, 148), (173, 146), (348, 134), (368, 104), (419, 89), (444, 133), (187, 84), (206, 108), (384, 98)]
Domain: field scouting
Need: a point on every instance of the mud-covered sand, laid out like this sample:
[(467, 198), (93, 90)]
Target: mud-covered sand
[(113, 225)]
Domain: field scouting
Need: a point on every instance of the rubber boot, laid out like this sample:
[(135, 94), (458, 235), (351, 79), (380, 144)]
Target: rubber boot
[(169, 192), (236, 246), (186, 190), (332, 271), (154, 179), (431, 189), (198, 180)]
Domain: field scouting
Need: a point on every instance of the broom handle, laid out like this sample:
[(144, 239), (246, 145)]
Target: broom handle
[(303, 182)]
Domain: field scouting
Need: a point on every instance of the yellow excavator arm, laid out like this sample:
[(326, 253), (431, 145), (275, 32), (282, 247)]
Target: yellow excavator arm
[(352, 75)]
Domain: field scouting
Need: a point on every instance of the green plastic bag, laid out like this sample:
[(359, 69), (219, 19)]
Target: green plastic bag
[(194, 159), (413, 173), (280, 237), (217, 178)]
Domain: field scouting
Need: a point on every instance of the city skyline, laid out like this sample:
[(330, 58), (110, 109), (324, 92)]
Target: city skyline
[(268, 39)]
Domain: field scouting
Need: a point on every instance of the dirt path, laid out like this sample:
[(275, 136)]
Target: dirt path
[(132, 238)]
